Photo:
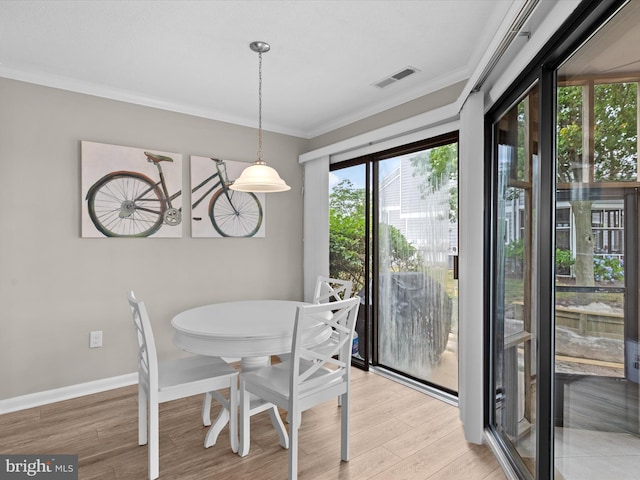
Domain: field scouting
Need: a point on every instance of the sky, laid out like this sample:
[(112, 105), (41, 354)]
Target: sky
[(357, 173)]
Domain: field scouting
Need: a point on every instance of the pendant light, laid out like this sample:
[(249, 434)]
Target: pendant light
[(259, 177)]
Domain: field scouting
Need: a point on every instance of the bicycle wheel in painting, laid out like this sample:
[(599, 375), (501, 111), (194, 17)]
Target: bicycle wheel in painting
[(126, 204), (235, 214)]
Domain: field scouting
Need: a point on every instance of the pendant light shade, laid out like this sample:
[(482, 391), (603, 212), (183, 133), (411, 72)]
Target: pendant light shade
[(259, 177)]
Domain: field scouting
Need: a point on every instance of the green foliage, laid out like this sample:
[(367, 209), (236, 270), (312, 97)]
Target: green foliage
[(439, 163), (605, 269), (401, 256), (608, 269), (439, 166), (615, 132), (515, 250), (569, 134), (564, 260), (347, 233), (347, 238)]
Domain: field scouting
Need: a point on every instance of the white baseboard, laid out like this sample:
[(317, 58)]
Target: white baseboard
[(65, 393)]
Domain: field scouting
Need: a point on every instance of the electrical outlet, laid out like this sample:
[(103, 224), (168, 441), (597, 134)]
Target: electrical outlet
[(95, 339)]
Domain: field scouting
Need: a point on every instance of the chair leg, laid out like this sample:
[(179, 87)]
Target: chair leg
[(344, 427), (245, 419), (206, 409), (294, 426), (142, 415), (233, 413), (154, 439), (279, 426)]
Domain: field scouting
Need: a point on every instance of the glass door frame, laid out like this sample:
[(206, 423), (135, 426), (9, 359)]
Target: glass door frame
[(371, 315), (541, 264)]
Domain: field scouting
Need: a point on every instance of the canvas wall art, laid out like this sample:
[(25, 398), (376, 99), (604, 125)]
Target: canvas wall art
[(218, 211), (130, 192)]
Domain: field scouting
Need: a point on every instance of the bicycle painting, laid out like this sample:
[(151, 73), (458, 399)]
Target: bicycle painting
[(132, 192), (217, 217)]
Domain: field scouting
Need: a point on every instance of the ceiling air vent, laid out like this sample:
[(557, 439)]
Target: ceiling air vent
[(404, 73)]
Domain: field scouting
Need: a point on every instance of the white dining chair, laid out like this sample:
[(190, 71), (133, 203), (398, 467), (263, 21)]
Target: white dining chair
[(311, 376), (331, 289), (327, 289), (160, 382)]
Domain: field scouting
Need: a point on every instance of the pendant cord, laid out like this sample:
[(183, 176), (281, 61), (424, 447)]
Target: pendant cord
[(260, 160)]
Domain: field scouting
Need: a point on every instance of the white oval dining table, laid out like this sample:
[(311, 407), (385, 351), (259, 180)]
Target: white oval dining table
[(252, 330)]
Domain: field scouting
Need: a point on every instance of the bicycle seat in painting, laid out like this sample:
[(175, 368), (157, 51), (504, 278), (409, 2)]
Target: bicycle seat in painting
[(157, 158)]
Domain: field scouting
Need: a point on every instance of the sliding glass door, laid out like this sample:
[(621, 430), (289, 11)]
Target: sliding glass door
[(565, 251), (514, 336), (394, 227), (597, 382), (417, 248)]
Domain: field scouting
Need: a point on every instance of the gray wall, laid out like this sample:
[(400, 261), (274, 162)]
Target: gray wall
[(426, 103), (56, 287)]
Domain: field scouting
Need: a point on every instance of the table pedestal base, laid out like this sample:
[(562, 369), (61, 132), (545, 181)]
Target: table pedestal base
[(216, 427)]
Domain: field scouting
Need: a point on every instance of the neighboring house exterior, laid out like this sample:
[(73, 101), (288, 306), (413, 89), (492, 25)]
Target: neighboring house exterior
[(423, 219)]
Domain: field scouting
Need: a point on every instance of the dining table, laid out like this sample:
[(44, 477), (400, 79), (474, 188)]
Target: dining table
[(251, 330)]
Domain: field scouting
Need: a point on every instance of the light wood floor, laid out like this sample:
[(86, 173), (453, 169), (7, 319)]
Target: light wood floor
[(396, 433)]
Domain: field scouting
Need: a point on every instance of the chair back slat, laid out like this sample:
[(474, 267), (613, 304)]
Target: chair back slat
[(147, 355), (331, 360), (331, 289)]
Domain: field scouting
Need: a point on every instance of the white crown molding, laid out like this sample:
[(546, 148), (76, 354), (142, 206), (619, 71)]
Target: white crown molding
[(85, 88), (76, 86)]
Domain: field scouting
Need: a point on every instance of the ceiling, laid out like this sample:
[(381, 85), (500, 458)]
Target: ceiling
[(194, 57), (608, 52)]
